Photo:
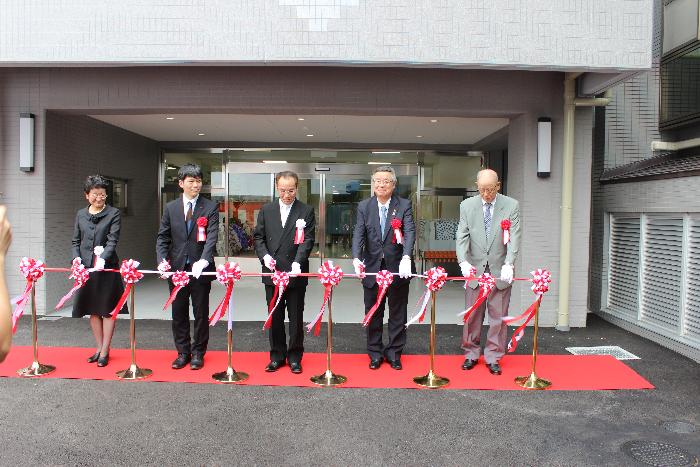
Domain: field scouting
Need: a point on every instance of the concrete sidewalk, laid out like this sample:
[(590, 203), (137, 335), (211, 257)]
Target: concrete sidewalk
[(84, 422)]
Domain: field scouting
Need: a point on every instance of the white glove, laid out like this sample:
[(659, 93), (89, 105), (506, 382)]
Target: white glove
[(198, 267), (77, 260), (269, 262), (99, 264), (405, 267), (359, 267), (296, 269), (507, 273), (466, 268), (164, 267)]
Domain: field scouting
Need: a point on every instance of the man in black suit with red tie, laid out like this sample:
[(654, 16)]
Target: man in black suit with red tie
[(275, 243), (373, 247), (187, 242)]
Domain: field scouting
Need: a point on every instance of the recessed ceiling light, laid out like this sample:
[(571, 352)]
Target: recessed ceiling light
[(386, 152), (419, 136), (170, 118), (379, 163), (200, 134), (300, 119), (309, 134), (275, 162), (433, 121)]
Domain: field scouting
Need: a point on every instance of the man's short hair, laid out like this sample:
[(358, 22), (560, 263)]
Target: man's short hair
[(189, 170), (385, 168), (287, 174)]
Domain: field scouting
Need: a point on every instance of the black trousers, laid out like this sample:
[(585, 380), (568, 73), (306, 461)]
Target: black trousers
[(198, 290), (397, 296), (293, 301)]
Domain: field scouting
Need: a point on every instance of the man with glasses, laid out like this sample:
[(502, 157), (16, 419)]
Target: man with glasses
[(375, 248), (480, 242), (277, 249)]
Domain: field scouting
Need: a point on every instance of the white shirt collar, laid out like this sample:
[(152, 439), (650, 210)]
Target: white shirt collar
[(186, 200), (286, 206), (385, 204), (493, 203)]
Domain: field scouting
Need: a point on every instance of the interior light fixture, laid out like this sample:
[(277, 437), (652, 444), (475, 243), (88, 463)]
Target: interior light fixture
[(544, 146), (419, 136), (433, 120), (379, 163), (386, 152), (26, 142), (200, 134), (170, 118), (300, 119), (309, 134), (274, 162)]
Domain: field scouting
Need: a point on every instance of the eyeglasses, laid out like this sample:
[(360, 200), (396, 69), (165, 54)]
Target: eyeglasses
[(488, 189), (287, 192), (382, 181), (94, 196)]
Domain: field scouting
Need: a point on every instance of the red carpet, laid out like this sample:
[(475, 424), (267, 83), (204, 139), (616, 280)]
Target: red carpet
[(566, 372)]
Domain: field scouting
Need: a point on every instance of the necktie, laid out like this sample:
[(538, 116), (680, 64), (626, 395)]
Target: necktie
[(188, 217), (487, 219), (382, 220)]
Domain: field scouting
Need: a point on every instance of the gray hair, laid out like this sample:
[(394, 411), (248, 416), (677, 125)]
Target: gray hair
[(385, 168)]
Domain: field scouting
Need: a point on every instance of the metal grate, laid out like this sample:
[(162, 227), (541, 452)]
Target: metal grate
[(658, 454), (613, 350), (678, 426)]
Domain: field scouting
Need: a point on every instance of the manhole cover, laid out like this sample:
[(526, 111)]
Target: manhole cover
[(677, 426), (614, 350), (658, 454)]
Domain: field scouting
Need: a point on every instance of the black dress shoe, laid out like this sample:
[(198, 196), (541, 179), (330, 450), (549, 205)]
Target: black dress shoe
[(396, 364), (181, 360), (197, 362), (469, 364), (375, 363), (273, 366), (295, 367), (494, 368), (93, 358), (102, 361)]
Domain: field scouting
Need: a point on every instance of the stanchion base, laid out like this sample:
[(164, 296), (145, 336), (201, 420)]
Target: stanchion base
[(35, 369), (328, 379), (134, 372), (532, 382), (230, 376), (431, 380)]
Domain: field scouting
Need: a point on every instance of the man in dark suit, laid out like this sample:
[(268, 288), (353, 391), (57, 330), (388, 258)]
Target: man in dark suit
[(275, 242), (180, 246), (374, 247)]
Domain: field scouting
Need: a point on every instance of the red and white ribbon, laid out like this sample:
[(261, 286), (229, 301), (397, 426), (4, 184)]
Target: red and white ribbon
[(486, 284), (281, 280), (81, 276), (541, 278), (299, 234), (130, 275), (202, 223), (384, 280), (32, 270), (227, 274), (398, 233), (164, 268), (505, 226), (435, 280), (330, 276), (180, 279)]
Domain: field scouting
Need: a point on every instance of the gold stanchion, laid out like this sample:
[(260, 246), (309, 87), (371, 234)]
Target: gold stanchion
[(328, 378), (431, 380), (133, 372), (36, 368), (230, 375), (532, 381)]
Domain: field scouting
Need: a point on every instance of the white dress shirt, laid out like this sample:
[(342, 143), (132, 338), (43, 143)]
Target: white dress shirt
[(386, 205), (186, 200), (284, 211)]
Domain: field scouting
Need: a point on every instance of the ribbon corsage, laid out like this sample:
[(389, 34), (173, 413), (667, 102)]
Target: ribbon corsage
[(202, 223), (299, 235), (505, 226)]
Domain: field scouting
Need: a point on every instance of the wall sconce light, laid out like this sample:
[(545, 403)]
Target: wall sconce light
[(26, 142), (544, 146)]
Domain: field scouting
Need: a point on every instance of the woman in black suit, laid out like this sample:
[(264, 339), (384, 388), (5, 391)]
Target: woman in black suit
[(98, 225)]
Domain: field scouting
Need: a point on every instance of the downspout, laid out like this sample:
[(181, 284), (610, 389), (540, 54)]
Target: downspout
[(567, 195)]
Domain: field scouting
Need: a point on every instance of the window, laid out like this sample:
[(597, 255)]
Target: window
[(117, 193)]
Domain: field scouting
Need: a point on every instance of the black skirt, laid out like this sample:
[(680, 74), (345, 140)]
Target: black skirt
[(99, 295)]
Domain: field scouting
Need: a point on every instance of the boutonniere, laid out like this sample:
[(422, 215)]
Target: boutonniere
[(398, 234), (299, 235), (505, 226), (202, 222)]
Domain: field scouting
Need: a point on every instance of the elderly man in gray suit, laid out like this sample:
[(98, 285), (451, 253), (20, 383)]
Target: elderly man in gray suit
[(480, 243)]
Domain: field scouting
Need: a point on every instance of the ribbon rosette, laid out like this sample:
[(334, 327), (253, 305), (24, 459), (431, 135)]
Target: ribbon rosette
[(227, 274), (164, 268), (32, 270), (541, 278), (281, 280), (81, 275), (384, 280), (180, 279), (505, 226), (436, 278), (330, 276), (299, 235), (486, 284), (130, 275), (202, 223), (396, 227)]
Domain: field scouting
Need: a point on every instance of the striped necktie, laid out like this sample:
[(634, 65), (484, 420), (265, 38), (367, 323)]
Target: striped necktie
[(487, 219)]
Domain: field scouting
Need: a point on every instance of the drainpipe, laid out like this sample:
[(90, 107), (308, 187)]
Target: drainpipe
[(567, 191)]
